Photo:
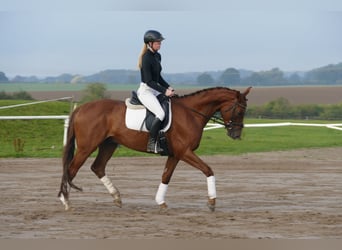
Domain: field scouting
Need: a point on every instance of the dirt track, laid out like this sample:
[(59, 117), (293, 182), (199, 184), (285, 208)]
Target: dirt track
[(265, 195)]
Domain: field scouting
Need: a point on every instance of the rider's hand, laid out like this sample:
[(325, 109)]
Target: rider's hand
[(170, 92)]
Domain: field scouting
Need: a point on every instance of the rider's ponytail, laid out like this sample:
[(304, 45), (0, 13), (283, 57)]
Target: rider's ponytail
[(143, 51)]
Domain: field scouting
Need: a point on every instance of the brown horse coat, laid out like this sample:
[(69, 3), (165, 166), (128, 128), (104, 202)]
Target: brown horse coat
[(101, 125)]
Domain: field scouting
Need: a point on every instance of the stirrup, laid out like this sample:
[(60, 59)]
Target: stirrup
[(157, 148), (153, 146)]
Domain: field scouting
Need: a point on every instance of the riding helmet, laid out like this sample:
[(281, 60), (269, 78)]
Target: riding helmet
[(153, 36)]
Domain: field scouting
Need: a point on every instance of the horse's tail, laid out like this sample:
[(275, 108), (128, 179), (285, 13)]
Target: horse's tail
[(68, 156)]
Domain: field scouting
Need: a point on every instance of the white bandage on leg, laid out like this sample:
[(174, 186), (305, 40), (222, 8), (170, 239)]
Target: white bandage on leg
[(108, 184), (64, 201), (160, 196), (211, 187)]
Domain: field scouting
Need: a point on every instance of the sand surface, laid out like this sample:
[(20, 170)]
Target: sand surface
[(291, 195)]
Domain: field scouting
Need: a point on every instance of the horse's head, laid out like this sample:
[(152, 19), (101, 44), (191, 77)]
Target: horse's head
[(233, 112)]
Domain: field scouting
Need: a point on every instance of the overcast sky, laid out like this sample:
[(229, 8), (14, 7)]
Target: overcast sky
[(47, 38)]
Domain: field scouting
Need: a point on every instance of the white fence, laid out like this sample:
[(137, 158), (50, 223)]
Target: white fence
[(279, 124), (43, 117), (208, 127), (40, 117)]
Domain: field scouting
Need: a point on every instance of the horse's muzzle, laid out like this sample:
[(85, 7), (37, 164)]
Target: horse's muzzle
[(234, 136), (234, 130)]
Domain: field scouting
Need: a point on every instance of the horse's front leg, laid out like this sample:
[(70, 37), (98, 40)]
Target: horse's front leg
[(191, 158), (170, 166)]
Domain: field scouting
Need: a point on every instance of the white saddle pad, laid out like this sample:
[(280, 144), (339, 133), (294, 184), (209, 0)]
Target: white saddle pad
[(135, 116)]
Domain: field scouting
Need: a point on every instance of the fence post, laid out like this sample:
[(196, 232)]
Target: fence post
[(66, 125)]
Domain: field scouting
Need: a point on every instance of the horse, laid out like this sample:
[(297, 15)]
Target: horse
[(101, 125)]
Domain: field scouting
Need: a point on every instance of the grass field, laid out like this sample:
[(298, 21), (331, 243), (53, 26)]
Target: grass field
[(43, 138)]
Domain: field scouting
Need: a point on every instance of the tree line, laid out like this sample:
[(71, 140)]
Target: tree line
[(21, 95), (282, 109), (327, 75), (330, 74)]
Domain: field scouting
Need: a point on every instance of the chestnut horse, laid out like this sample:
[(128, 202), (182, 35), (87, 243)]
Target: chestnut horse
[(101, 125)]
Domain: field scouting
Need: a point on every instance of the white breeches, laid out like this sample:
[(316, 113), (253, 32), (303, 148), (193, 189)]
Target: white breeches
[(148, 97)]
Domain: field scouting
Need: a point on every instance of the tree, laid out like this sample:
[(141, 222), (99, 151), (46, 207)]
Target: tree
[(269, 77), (205, 79), (294, 79), (279, 108), (230, 77), (3, 77), (22, 95), (254, 79), (95, 91), (330, 74), (273, 76)]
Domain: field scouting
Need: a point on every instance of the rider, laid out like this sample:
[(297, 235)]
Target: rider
[(152, 84)]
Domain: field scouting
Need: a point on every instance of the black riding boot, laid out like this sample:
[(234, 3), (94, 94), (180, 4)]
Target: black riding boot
[(153, 145)]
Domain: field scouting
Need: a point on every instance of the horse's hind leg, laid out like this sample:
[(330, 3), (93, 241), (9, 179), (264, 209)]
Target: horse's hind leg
[(106, 150), (76, 163)]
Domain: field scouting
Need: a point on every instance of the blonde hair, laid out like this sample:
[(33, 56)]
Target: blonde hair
[(142, 53)]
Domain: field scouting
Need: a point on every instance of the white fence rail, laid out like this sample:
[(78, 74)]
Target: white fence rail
[(43, 117), (37, 102), (280, 124), (208, 127), (40, 117)]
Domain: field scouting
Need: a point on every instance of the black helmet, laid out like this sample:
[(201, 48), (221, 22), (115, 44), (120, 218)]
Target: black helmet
[(153, 36)]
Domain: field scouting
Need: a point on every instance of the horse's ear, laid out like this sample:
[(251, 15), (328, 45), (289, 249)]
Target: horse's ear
[(246, 91)]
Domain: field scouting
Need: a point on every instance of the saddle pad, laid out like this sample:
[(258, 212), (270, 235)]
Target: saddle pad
[(135, 118)]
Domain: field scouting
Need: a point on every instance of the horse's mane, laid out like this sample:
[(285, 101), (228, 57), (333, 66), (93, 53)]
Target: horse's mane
[(201, 91)]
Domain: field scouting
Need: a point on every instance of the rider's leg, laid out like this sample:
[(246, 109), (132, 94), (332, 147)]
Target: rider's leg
[(147, 96), (152, 144)]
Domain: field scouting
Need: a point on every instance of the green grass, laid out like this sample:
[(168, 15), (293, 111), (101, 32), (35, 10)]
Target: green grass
[(269, 139), (44, 138), (40, 138)]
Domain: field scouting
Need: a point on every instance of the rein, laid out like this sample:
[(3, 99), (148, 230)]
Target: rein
[(219, 120)]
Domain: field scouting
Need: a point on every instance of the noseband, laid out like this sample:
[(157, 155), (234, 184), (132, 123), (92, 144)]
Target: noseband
[(231, 124)]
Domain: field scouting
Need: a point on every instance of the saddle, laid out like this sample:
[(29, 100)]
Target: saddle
[(164, 103), (140, 118)]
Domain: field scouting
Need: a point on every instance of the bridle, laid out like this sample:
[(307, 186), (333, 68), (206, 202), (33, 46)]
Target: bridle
[(231, 124)]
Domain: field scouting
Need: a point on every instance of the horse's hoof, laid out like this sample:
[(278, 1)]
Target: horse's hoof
[(65, 202), (118, 203), (70, 209), (162, 207), (211, 204), (117, 199)]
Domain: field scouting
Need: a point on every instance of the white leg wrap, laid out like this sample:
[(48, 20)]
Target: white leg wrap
[(65, 202), (160, 196), (211, 187), (108, 184)]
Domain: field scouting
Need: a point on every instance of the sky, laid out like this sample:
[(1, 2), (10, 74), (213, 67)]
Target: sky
[(48, 38)]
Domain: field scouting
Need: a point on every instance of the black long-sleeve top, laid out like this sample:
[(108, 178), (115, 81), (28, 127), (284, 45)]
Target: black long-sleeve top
[(150, 71)]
